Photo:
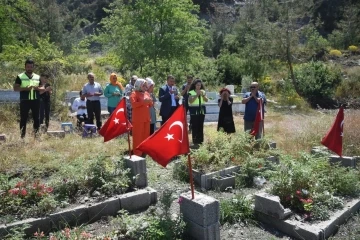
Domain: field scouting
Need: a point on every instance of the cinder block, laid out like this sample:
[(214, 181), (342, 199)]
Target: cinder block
[(153, 195), (140, 180), (2, 137), (135, 201), (109, 207), (272, 145), (231, 170), (221, 183), (33, 225), (195, 231), (344, 161), (270, 205), (136, 164), (202, 210), (58, 134), (273, 159), (71, 217)]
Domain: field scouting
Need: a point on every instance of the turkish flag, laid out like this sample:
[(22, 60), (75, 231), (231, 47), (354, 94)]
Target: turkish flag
[(259, 117), (170, 140), (117, 124), (333, 139)]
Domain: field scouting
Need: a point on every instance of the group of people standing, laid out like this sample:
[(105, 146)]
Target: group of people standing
[(140, 103)]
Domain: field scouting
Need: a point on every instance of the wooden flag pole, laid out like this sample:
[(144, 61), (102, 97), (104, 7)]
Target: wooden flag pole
[(127, 126), (191, 177)]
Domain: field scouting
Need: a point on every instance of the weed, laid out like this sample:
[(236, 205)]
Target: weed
[(237, 209)]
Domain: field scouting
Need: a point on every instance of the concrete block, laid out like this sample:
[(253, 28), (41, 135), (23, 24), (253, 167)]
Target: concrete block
[(109, 207), (312, 231), (2, 137), (198, 232), (221, 183), (231, 170), (135, 201), (140, 180), (202, 210), (136, 164), (272, 145), (57, 134), (153, 195), (270, 205), (344, 161), (273, 159), (71, 217), (33, 225)]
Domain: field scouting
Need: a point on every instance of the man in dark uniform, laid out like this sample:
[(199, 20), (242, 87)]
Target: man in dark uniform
[(28, 84)]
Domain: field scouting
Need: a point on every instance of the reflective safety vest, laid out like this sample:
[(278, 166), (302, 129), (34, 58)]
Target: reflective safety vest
[(26, 82), (196, 107)]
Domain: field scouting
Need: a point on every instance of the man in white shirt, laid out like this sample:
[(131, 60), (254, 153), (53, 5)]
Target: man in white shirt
[(79, 105)]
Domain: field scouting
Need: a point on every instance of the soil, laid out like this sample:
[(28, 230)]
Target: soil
[(159, 179)]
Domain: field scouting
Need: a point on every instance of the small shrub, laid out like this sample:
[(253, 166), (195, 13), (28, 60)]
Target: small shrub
[(353, 48), (335, 52), (237, 209)]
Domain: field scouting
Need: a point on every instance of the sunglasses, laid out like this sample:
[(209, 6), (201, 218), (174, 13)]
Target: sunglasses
[(252, 87)]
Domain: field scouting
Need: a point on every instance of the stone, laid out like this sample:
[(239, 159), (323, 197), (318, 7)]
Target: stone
[(57, 134), (72, 217), (344, 161), (202, 210), (138, 170), (153, 195), (2, 137), (273, 159), (270, 205), (196, 231), (135, 201), (221, 183), (109, 207)]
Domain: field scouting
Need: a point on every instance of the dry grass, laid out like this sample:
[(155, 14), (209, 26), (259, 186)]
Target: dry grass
[(293, 133)]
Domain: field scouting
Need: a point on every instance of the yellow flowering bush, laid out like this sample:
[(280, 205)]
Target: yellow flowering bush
[(335, 52), (353, 48)]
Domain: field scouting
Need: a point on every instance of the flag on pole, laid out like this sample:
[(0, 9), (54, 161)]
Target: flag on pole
[(117, 124), (259, 117), (333, 139), (169, 141)]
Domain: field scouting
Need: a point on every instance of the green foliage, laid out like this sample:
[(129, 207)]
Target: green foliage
[(349, 90), (236, 209), (335, 52), (308, 184), (155, 33), (317, 82)]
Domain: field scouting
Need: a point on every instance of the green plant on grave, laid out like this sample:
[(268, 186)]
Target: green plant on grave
[(250, 168), (107, 175), (236, 209), (344, 181)]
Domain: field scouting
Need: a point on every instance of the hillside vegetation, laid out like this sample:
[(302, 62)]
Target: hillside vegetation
[(301, 52)]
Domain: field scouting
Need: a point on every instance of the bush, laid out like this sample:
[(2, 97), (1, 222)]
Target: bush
[(353, 48), (317, 83), (237, 209), (335, 53)]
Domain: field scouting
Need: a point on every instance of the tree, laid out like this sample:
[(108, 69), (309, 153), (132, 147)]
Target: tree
[(153, 30)]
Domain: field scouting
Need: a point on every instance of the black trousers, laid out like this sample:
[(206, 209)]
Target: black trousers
[(165, 118), (81, 119), (45, 112), (152, 128), (197, 123), (94, 109), (25, 106)]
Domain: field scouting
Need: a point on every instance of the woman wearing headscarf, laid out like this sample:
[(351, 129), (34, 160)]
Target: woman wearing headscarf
[(197, 99), (150, 90), (225, 120), (113, 91), (140, 101)]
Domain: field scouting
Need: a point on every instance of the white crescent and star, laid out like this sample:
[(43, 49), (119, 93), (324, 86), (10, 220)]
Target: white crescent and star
[(116, 120), (171, 136), (341, 127)]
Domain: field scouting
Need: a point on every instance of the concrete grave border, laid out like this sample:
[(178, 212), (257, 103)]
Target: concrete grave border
[(267, 211), (86, 213)]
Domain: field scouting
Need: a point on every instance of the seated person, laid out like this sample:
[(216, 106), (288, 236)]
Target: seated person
[(79, 105)]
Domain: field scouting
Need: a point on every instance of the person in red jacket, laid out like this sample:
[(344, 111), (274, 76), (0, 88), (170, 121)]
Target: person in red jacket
[(140, 101)]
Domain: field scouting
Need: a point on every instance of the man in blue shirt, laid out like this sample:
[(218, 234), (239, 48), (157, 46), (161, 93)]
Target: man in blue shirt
[(251, 100)]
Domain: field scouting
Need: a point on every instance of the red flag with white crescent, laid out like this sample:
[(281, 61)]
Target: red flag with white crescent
[(333, 139), (169, 141), (117, 123), (258, 118)]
